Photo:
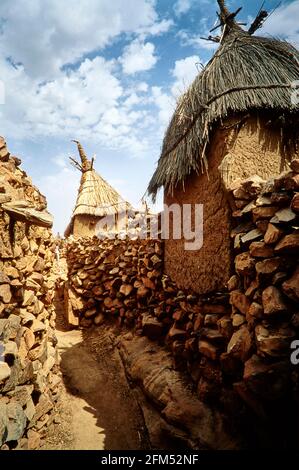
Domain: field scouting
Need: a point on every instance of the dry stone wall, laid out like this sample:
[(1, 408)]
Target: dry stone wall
[(28, 358), (235, 345)]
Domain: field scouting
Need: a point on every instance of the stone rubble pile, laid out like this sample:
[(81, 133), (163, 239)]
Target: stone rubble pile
[(28, 359), (235, 345)]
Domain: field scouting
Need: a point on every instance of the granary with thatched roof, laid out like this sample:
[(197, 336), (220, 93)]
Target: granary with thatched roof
[(236, 120), (96, 200)]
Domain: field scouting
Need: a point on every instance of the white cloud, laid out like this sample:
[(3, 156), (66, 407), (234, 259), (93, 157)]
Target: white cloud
[(138, 57), (284, 23), (182, 6), (184, 72), (165, 103), (46, 34)]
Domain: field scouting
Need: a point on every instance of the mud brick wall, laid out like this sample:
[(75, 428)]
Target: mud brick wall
[(28, 380)]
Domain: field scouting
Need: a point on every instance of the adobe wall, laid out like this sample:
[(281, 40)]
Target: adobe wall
[(29, 383), (239, 152), (84, 225)]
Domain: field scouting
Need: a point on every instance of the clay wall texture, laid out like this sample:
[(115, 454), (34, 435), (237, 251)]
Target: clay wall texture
[(252, 148)]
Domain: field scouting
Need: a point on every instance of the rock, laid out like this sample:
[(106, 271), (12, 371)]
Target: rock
[(273, 234), (256, 310), (33, 440), (295, 203), (5, 293), (261, 250), (251, 236), (233, 283), (238, 320), (240, 301), (29, 338), (3, 425), (29, 298), (295, 165), (151, 327), (4, 371), (267, 268), (273, 302), (240, 345), (244, 264), (283, 216), (4, 279), (291, 286), (99, 319), (16, 422), (19, 210), (226, 327), (274, 342), (264, 212), (176, 333), (212, 335), (288, 245), (208, 350), (42, 408)]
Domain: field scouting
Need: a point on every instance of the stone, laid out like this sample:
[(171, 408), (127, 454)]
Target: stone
[(16, 422), (208, 350), (244, 264), (4, 279), (273, 234), (251, 236), (283, 216), (273, 302), (5, 371), (233, 283), (44, 406), (288, 245), (295, 203), (99, 319), (240, 301), (291, 286), (256, 310), (212, 335), (274, 342), (176, 333), (264, 212), (3, 425), (267, 268), (151, 327), (295, 165), (29, 297), (226, 327), (33, 440), (261, 250), (29, 339), (238, 320), (90, 313), (240, 345), (5, 293)]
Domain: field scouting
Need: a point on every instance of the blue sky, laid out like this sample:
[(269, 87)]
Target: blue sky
[(107, 73)]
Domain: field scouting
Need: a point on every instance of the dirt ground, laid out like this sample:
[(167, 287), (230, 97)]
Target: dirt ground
[(97, 409)]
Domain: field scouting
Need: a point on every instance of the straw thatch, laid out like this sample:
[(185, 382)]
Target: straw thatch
[(246, 73), (96, 197)]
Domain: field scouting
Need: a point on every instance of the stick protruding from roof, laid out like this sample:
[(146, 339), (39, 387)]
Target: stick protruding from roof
[(86, 164)]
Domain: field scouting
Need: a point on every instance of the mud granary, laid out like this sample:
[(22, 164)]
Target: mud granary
[(236, 120)]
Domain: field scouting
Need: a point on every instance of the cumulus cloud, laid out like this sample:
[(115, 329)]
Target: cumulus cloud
[(184, 72), (182, 6), (138, 57), (44, 35), (284, 23)]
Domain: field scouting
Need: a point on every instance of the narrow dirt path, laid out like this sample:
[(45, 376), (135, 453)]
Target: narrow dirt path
[(97, 409)]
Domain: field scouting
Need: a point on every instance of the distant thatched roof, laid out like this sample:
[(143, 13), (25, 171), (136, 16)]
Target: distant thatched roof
[(96, 197), (246, 73)]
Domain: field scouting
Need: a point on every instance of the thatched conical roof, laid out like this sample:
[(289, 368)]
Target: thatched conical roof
[(96, 197), (246, 73)]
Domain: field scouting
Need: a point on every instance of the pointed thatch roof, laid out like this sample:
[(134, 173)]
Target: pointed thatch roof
[(246, 73), (96, 197)]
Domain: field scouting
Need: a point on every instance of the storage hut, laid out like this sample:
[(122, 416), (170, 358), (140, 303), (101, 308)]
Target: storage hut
[(238, 119), (96, 200)]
